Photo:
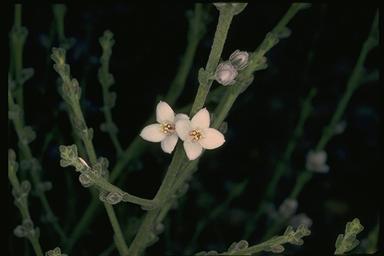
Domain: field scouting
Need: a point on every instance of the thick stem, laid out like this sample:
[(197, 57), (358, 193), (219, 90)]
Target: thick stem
[(223, 25)]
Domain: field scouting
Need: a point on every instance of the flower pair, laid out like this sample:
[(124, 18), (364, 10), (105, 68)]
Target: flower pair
[(195, 133)]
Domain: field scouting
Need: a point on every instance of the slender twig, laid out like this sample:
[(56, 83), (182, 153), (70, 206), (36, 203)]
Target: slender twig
[(274, 245), (353, 84), (35, 168), (224, 22), (106, 80), (119, 237), (71, 95), (235, 192), (20, 192), (281, 165), (96, 177), (17, 41)]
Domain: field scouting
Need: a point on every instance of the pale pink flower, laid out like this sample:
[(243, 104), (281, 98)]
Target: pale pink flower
[(197, 135), (226, 73), (164, 130)]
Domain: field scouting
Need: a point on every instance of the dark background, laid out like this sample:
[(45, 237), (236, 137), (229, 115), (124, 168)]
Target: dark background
[(150, 39)]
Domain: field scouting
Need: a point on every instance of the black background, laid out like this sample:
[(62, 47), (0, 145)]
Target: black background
[(150, 39)]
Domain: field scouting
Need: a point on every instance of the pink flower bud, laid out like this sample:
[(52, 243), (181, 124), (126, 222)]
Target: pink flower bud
[(239, 59), (225, 73)]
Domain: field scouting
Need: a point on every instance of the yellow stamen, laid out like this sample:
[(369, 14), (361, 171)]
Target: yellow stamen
[(196, 134), (167, 128)]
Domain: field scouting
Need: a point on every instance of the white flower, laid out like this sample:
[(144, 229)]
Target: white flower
[(316, 161), (239, 59), (197, 135), (164, 130), (225, 73)]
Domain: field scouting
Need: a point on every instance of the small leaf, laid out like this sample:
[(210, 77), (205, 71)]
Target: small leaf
[(113, 198), (85, 180), (278, 248)]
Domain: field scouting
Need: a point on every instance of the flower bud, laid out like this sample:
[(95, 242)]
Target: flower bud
[(239, 59), (316, 161), (288, 208), (225, 73)]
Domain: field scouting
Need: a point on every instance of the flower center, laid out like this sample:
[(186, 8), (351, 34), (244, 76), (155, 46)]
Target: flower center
[(195, 134), (167, 128)]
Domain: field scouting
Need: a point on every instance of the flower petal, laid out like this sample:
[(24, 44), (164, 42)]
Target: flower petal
[(201, 119), (164, 113), (211, 139), (192, 149), (183, 127), (181, 116), (169, 143), (152, 133)]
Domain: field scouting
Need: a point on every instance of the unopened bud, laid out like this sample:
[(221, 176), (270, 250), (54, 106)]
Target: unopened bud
[(316, 161), (226, 73), (239, 59)]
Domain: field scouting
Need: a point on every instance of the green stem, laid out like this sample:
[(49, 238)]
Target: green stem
[(135, 149), (214, 213), (281, 166), (119, 238), (36, 246), (108, 250), (352, 85), (220, 114), (292, 11), (271, 39), (223, 25), (224, 106), (195, 33), (306, 110), (17, 43), (18, 16), (86, 220), (105, 82), (262, 246), (105, 185), (59, 11), (25, 149), (74, 104), (22, 205), (142, 239)]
